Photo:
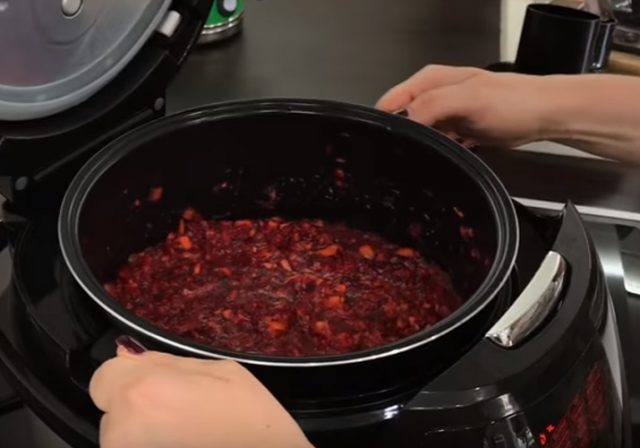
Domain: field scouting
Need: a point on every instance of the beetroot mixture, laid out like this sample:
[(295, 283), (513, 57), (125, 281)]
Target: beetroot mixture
[(276, 287)]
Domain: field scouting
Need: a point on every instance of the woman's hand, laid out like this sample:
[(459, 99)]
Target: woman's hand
[(157, 400), (596, 113), (473, 105)]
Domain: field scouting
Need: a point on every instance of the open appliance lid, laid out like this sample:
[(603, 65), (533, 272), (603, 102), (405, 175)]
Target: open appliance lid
[(54, 54)]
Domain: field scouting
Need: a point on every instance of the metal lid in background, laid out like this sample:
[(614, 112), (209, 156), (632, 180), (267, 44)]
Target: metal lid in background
[(54, 54)]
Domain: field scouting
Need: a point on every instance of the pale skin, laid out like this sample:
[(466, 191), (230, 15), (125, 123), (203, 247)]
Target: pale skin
[(155, 400), (596, 113)]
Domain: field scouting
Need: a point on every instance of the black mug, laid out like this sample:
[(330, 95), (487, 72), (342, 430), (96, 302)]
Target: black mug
[(562, 40)]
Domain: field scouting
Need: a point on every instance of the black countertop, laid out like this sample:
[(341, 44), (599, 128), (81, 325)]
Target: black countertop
[(354, 50), (349, 50)]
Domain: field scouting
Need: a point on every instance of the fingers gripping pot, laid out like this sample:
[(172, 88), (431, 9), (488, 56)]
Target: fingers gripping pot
[(399, 176)]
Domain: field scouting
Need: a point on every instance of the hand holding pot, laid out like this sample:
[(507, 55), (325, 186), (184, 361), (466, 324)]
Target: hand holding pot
[(595, 113), (472, 105), (159, 400)]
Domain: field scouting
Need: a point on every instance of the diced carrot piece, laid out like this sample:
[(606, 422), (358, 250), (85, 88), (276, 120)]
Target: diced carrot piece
[(322, 327), (335, 302), (181, 227), (243, 223), (189, 214), (185, 242), (405, 252), (155, 194), (197, 269), (269, 265), (226, 271), (276, 327), (286, 265), (329, 251), (367, 252), (341, 288), (227, 314)]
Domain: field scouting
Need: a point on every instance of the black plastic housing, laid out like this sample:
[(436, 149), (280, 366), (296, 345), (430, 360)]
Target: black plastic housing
[(33, 151)]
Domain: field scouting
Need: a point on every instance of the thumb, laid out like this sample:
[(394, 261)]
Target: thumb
[(395, 99), (439, 105)]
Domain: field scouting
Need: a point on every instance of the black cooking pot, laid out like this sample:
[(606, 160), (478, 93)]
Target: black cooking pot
[(398, 174)]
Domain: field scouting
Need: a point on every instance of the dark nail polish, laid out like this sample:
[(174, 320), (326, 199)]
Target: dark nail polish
[(402, 112), (130, 344)]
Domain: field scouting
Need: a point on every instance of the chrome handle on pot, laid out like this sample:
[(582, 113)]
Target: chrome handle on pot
[(533, 305)]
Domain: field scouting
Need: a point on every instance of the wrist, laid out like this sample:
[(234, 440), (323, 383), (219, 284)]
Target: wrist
[(560, 107)]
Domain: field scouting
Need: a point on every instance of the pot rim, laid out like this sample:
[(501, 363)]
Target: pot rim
[(496, 194)]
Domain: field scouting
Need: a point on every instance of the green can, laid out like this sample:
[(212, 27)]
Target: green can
[(225, 20)]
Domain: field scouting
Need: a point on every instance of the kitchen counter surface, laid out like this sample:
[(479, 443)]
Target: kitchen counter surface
[(346, 50), (353, 51)]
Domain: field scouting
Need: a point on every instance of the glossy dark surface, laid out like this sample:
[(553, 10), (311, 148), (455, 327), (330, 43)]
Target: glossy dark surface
[(24, 429), (400, 173), (562, 40), (55, 351), (590, 182)]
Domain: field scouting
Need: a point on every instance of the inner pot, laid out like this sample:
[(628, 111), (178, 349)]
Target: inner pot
[(226, 161)]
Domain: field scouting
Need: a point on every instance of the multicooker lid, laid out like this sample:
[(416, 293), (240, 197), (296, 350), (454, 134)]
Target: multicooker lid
[(54, 54), (75, 74)]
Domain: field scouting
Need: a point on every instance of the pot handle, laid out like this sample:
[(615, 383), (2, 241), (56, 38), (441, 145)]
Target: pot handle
[(534, 304), (80, 363)]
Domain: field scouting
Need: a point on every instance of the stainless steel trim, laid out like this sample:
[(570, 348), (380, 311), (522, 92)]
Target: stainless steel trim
[(598, 212), (216, 33), (533, 305), (348, 421)]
